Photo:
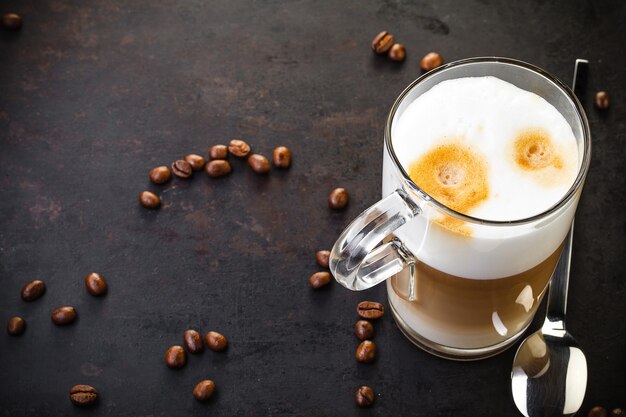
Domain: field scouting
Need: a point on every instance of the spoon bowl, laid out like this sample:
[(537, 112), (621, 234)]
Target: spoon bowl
[(549, 376)]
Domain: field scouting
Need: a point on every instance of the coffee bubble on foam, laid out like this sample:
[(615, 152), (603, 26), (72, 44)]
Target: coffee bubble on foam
[(538, 155), (534, 150), (453, 174)]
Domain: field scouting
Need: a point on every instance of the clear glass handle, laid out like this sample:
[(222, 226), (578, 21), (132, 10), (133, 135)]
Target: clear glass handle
[(353, 260)]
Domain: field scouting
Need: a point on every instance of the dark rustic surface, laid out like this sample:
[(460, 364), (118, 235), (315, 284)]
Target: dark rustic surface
[(94, 94)]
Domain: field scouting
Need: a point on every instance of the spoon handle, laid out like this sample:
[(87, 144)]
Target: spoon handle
[(580, 78), (557, 298)]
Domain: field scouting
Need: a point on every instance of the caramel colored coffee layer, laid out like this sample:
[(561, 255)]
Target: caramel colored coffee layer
[(477, 312)]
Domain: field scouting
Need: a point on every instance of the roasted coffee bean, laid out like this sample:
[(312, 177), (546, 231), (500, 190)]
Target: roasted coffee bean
[(431, 61), (160, 174), (11, 21), (196, 161), (193, 341), (239, 148), (83, 395), (182, 168), (149, 200), (16, 326), (281, 157), (320, 279), (259, 164), (63, 316), (175, 357), (33, 290), (366, 352), (218, 152), (617, 412), (338, 198), (364, 397), (382, 42), (322, 257), (217, 168), (370, 310), (597, 411), (96, 285), (397, 52), (216, 341), (364, 329), (204, 390), (602, 100)]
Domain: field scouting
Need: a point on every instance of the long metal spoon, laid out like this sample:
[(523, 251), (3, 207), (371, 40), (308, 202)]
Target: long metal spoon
[(549, 375)]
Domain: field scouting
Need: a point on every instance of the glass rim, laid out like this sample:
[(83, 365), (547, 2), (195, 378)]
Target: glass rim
[(582, 171)]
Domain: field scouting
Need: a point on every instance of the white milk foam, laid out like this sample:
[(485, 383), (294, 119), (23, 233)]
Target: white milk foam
[(488, 114)]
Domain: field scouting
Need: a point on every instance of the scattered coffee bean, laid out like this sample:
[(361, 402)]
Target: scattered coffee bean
[(397, 52), (364, 397), (204, 390), (239, 148), (217, 168), (218, 152), (281, 157), (320, 279), (160, 174), (370, 310), (11, 21), (338, 198), (366, 352), (597, 411), (175, 357), (322, 257), (33, 290), (63, 316), (182, 168), (382, 42), (364, 329), (216, 341), (16, 326), (431, 61), (149, 200), (83, 395), (196, 161), (96, 285), (602, 100), (193, 341), (617, 412), (259, 164)]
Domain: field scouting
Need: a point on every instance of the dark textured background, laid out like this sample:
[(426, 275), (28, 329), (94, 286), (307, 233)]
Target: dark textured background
[(94, 94)]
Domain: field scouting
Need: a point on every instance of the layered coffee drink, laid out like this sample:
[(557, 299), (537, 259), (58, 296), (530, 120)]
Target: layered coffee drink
[(491, 151)]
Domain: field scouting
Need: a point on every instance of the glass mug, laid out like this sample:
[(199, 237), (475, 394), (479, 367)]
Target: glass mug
[(460, 297)]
